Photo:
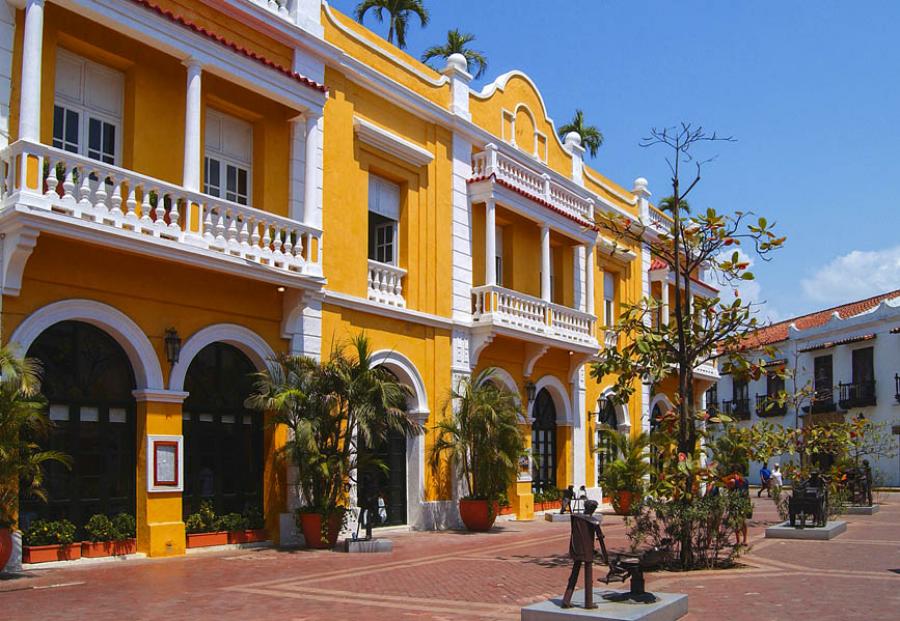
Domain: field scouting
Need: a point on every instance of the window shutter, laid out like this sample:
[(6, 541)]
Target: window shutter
[(384, 198)]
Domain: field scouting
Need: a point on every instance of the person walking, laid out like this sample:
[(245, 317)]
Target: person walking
[(777, 480), (765, 480)]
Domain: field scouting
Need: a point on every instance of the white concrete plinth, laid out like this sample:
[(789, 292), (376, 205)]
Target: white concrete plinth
[(862, 510), (290, 535), (667, 607), (810, 533), (361, 546), (558, 517)]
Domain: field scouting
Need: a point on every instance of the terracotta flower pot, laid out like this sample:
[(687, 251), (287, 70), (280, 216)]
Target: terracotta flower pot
[(6, 546), (203, 540), (311, 525), (621, 501), (247, 536), (99, 549), (55, 552), (476, 516)]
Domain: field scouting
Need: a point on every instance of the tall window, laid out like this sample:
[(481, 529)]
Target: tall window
[(606, 453), (609, 298), (543, 443), (774, 384), (823, 378), (498, 259), (228, 159), (863, 366), (712, 399), (87, 108), (384, 216)]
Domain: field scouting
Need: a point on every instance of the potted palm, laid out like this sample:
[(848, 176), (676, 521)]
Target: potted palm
[(23, 423), (480, 436), (328, 407), (625, 476)]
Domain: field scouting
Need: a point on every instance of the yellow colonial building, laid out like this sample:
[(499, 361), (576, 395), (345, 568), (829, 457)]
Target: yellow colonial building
[(190, 187)]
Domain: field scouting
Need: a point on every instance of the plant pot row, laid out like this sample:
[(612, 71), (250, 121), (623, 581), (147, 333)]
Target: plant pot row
[(223, 537), (549, 505), (77, 550)]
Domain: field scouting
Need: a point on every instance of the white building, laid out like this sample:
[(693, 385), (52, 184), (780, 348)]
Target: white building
[(848, 355)]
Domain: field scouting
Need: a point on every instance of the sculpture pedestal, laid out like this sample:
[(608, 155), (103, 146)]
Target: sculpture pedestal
[(558, 517), (785, 531), (667, 607), (372, 546), (862, 510)]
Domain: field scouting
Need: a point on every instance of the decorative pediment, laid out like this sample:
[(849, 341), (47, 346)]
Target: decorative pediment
[(390, 143)]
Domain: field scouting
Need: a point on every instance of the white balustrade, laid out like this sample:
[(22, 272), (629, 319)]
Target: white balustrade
[(282, 8), (532, 181), (610, 339), (659, 221), (520, 311), (386, 284), (708, 370), (88, 191)]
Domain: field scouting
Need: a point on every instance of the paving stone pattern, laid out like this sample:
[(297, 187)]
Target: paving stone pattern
[(452, 576)]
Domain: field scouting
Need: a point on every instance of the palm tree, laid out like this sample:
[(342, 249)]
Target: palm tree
[(480, 433), (22, 422), (329, 407), (399, 12), (591, 137), (457, 43)]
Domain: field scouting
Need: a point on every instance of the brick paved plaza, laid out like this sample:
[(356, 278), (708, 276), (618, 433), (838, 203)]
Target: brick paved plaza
[(454, 576)]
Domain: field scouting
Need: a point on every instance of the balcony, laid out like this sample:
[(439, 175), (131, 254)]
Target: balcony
[(738, 409), (857, 395), (386, 284), (767, 406), (528, 180), (822, 403), (141, 214), (520, 314), (707, 371), (659, 221), (610, 339)]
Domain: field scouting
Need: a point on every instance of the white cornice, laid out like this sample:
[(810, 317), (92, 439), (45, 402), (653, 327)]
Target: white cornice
[(160, 396), (391, 143), (353, 302)]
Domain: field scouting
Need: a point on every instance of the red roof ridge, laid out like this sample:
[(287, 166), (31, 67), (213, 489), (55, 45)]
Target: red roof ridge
[(178, 19), (779, 331)]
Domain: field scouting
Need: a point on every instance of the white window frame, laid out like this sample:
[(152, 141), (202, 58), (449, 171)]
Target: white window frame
[(389, 213), (225, 160), (498, 254), (86, 111), (609, 298)]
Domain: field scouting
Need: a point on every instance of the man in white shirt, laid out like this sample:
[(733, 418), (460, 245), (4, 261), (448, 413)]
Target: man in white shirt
[(777, 478)]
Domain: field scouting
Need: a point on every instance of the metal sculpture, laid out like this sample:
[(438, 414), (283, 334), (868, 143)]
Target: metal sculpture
[(859, 484), (809, 500), (585, 528)]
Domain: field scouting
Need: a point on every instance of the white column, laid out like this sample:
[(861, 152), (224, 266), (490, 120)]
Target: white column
[(665, 301), (589, 278), (32, 53), (310, 181), (192, 113), (545, 263), (297, 168), (490, 243)]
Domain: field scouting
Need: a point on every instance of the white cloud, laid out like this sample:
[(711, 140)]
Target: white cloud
[(853, 276), (750, 291)]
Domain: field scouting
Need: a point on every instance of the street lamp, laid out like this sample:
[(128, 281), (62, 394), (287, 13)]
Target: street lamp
[(173, 345), (530, 389)]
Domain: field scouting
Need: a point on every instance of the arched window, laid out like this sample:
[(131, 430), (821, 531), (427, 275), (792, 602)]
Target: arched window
[(87, 381), (543, 443), (223, 439)]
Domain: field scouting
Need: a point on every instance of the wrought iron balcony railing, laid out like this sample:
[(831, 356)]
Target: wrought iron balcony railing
[(822, 402), (767, 406), (857, 394), (738, 409)]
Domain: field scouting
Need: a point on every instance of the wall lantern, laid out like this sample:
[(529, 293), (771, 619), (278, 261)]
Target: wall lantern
[(530, 390), (173, 345), (603, 402)]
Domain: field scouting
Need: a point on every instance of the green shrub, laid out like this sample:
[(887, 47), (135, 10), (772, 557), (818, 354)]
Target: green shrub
[(204, 521), (254, 518), (232, 522), (100, 528), (49, 532), (125, 526)]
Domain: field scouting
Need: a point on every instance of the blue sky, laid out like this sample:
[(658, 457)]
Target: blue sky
[(812, 97)]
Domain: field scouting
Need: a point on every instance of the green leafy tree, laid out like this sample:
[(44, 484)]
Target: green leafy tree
[(328, 408), (480, 435), (398, 12), (700, 328), (458, 43), (591, 137), (23, 422)]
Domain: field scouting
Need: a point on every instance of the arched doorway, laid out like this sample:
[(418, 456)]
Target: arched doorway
[(223, 439), (388, 484), (655, 464), (87, 380), (606, 419), (543, 443)]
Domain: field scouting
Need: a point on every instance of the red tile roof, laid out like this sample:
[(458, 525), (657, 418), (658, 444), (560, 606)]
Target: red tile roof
[(658, 264), (178, 19), (778, 332)]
